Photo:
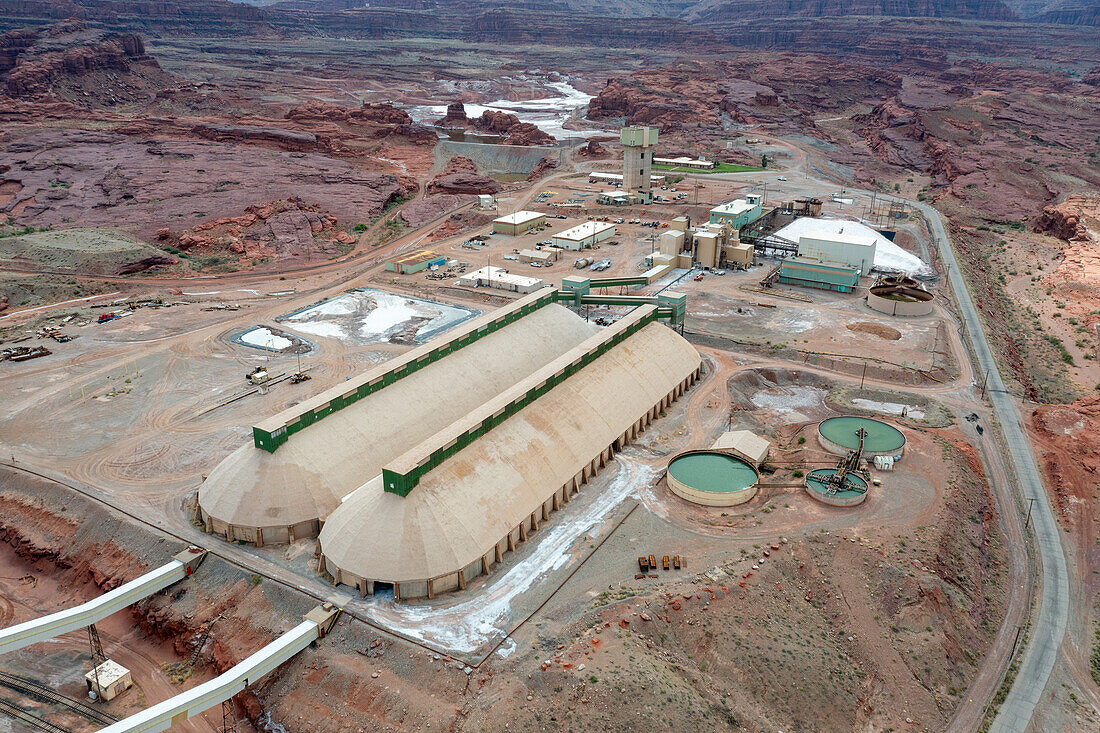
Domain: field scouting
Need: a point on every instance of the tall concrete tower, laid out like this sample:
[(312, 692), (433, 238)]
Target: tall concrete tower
[(638, 145)]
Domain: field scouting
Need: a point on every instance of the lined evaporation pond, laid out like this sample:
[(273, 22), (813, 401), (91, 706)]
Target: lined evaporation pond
[(715, 473), (369, 316), (880, 437), (272, 340)]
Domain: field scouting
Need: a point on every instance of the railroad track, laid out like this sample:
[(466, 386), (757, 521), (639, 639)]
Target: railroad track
[(33, 721), (45, 694)]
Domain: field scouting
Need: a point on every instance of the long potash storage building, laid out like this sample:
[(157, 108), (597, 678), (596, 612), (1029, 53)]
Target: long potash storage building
[(421, 473)]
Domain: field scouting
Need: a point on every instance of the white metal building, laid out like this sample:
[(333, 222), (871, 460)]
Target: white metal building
[(498, 277), (887, 255), (584, 235), (519, 222), (850, 244), (598, 176), (686, 162)]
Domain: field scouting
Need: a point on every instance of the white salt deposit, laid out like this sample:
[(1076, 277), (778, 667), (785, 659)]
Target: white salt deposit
[(469, 624), (789, 399), (265, 339), (370, 316), (889, 408), (389, 312), (549, 114), (888, 255)]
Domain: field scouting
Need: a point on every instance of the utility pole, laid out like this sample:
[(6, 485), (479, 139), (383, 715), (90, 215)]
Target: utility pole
[(229, 716), (98, 658), (1030, 503), (985, 381), (863, 377), (935, 345)]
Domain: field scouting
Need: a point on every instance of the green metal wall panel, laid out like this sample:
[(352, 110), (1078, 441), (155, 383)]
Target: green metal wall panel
[(402, 484)]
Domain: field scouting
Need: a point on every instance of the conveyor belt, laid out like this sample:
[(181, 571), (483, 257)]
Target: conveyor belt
[(77, 617)]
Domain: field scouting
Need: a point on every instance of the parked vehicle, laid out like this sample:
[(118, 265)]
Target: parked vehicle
[(259, 375)]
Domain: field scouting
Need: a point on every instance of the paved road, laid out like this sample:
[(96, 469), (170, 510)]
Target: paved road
[(1049, 626)]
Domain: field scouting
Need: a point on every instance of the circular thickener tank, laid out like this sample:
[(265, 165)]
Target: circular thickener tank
[(820, 487), (711, 478), (840, 434)]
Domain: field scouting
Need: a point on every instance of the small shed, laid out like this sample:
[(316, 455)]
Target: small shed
[(744, 444), (109, 680), (527, 256)]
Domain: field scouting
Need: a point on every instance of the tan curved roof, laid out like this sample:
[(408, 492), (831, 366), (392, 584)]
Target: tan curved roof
[(308, 475), (467, 504)]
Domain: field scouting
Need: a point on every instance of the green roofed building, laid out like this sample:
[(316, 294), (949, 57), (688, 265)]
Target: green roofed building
[(810, 273)]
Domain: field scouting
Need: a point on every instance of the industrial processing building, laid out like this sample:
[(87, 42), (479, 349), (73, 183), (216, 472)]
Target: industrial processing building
[(409, 264), (584, 235), (519, 222), (638, 142), (809, 272), (419, 474), (499, 278), (737, 213)]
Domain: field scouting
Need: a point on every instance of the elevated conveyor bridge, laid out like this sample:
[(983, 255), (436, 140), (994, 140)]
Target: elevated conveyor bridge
[(316, 624), (78, 617)]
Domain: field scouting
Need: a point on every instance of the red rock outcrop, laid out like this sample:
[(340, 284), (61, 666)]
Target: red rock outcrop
[(527, 133), (266, 230), (281, 138), (509, 126), (542, 168), (458, 164), (460, 176), (494, 122), (34, 63), (1064, 220), (691, 96), (762, 9), (455, 117), (373, 120), (426, 209), (593, 149)]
